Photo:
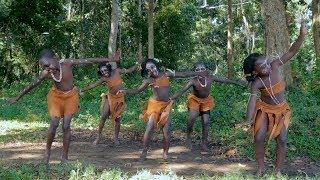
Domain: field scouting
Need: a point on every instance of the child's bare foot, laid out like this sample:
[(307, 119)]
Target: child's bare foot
[(46, 157), (165, 156), (143, 155), (260, 172), (96, 141), (189, 143), (204, 147)]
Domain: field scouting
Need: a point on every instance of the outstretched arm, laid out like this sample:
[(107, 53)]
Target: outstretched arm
[(130, 70), (183, 90), (294, 47), (114, 58), (27, 89), (141, 88), (226, 80), (184, 74), (93, 85)]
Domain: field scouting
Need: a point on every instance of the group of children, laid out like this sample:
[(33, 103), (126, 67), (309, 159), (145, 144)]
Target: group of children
[(270, 112)]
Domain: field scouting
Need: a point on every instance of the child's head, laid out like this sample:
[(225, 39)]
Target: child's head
[(254, 65), (48, 60), (199, 67), (104, 69), (149, 67)]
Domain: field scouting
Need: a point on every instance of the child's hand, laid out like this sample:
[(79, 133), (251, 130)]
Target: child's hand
[(13, 100), (121, 91), (117, 55), (303, 28), (80, 92)]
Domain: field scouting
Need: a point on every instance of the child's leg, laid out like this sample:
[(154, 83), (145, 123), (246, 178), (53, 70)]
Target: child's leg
[(66, 137), (193, 114), (166, 130), (205, 121), (117, 130), (104, 115), (281, 148), (51, 133), (146, 138), (259, 143)]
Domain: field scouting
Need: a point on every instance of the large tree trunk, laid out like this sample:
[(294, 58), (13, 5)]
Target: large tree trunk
[(229, 43), (316, 26), (276, 33), (139, 52), (114, 28), (150, 11)]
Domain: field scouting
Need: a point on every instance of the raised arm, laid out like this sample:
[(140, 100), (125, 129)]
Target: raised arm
[(114, 58), (183, 90), (226, 80), (93, 85), (141, 88), (294, 47), (27, 89), (184, 74), (129, 70)]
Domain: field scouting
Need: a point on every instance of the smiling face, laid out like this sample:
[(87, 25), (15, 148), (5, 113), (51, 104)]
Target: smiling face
[(104, 71), (262, 67), (152, 69)]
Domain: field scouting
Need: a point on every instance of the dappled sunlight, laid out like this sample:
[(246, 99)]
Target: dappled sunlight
[(10, 126)]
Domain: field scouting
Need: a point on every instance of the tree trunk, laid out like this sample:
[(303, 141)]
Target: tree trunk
[(229, 43), (276, 33), (316, 26), (114, 28), (139, 53), (150, 9)]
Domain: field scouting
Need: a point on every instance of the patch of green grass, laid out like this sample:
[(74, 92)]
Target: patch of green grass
[(77, 171)]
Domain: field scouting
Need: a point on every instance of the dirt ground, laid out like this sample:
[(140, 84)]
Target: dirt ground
[(126, 156)]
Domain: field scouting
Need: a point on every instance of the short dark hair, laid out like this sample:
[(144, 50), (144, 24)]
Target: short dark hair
[(144, 71), (47, 53), (248, 66), (107, 65)]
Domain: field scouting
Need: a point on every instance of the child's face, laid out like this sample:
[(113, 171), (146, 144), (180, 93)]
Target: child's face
[(200, 68), (262, 66), (152, 69), (49, 65), (104, 71)]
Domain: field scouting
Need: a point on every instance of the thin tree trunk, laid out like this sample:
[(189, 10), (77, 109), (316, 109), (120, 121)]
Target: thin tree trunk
[(276, 33), (316, 26), (139, 53), (150, 8), (114, 28), (229, 43)]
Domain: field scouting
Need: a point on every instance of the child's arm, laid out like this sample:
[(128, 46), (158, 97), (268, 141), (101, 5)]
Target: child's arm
[(129, 70), (184, 74), (27, 89), (183, 90), (141, 88), (226, 80), (114, 58), (294, 47), (93, 85), (251, 104)]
